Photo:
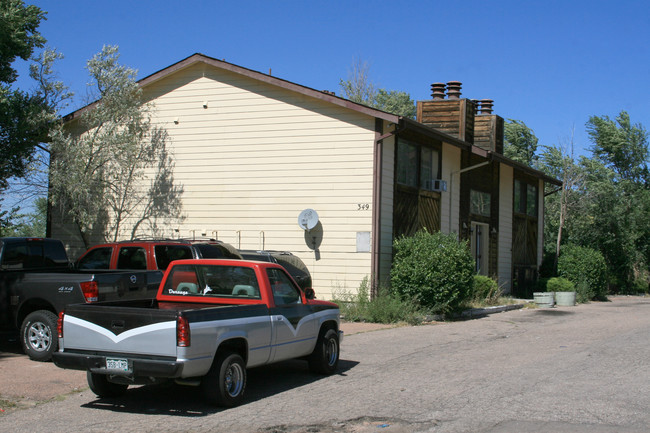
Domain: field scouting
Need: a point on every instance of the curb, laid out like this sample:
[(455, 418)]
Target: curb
[(482, 312)]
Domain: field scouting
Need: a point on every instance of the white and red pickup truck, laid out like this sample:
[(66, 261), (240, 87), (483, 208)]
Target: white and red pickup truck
[(209, 322)]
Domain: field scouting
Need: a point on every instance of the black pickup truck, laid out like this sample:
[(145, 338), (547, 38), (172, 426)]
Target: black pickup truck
[(37, 282)]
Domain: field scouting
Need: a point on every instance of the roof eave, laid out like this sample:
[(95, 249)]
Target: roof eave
[(259, 76)]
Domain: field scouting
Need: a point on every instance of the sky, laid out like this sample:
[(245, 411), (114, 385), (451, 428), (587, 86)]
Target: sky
[(549, 63)]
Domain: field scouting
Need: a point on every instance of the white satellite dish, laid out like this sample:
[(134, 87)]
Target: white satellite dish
[(308, 219)]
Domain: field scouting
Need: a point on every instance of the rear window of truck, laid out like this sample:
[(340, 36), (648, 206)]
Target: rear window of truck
[(212, 281)]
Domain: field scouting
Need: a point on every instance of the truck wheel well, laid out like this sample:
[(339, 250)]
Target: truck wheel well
[(326, 326), (236, 345), (31, 306)]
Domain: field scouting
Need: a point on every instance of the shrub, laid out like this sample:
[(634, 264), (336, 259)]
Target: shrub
[(586, 268), (485, 290), (541, 284), (559, 284), (432, 269), (385, 308)]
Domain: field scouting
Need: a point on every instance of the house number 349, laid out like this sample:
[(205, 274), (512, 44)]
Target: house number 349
[(363, 206)]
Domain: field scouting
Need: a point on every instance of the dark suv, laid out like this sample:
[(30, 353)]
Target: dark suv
[(296, 267), (153, 254)]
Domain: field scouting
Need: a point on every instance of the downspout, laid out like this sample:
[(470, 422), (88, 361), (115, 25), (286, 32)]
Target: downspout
[(451, 186), (378, 157)]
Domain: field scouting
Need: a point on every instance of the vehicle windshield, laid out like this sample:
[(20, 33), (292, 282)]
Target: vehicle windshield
[(212, 281)]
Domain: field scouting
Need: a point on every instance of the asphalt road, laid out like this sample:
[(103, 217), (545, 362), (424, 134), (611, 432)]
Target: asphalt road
[(568, 369)]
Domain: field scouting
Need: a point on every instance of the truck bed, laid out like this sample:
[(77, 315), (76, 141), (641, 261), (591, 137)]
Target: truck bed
[(143, 326)]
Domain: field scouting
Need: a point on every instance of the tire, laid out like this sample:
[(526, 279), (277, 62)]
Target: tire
[(38, 335), (225, 383), (325, 357), (100, 385)]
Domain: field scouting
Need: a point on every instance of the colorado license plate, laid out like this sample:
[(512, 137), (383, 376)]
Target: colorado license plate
[(117, 364)]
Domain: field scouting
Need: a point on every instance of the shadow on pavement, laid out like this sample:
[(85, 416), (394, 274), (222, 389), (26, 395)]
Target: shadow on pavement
[(172, 399), (9, 344)]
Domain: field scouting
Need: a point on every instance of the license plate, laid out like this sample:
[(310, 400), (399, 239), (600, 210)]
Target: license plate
[(117, 364)]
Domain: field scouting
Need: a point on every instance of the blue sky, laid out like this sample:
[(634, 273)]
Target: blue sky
[(550, 63)]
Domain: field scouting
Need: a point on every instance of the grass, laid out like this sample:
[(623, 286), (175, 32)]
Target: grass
[(6, 404), (384, 308), (388, 308)]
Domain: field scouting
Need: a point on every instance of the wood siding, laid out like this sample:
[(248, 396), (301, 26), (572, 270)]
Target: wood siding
[(414, 210), (455, 117), (488, 132), (505, 242), (450, 201), (256, 155), (387, 202)]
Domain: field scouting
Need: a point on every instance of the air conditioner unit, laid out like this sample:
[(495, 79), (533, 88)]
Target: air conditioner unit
[(437, 185)]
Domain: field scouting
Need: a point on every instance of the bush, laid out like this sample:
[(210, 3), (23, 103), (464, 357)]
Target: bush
[(541, 284), (586, 268), (385, 308), (485, 290), (432, 269), (559, 284)]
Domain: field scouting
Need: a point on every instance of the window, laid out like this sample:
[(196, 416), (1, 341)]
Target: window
[(407, 160), (14, 256), (525, 198), (479, 203), (132, 258), (99, 258), (165, 254), (284, 291), (417, 165), (428, 167), (212, 281), (531, 200)]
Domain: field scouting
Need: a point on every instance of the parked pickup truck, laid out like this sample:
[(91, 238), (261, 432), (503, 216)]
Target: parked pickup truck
[(36, 282), (209, 322)]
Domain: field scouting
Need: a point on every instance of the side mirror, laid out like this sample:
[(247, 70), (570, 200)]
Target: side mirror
[(310, 294)]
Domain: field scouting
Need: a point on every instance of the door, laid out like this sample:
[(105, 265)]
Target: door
[(294, 323), (480, 247)]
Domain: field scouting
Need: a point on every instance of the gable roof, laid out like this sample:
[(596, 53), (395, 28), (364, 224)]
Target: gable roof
[(259, 76), (404, 122)]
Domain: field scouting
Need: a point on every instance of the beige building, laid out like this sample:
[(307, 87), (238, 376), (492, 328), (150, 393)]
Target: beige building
[(254, 153)]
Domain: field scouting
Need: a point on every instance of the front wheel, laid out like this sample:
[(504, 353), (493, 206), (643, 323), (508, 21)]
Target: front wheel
[(325, 357), (225, 383), (38, 335), (100, 385)]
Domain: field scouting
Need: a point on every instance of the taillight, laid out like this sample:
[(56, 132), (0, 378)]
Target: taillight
[(59, 324), (182, 332), (90, 291)]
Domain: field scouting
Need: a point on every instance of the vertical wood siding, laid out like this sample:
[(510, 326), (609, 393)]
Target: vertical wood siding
[(450, 200), (387, 202), (505, 228)]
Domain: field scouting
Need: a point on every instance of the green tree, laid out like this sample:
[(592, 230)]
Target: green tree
[(616, 199), (563, 205), (359, 88), (117, 174), (621, 146), (520, 142), (23, 119), (29, 224)]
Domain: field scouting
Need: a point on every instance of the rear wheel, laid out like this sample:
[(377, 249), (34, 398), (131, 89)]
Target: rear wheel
[(225, 383), (325, 357), (100, 385), (38, 335)]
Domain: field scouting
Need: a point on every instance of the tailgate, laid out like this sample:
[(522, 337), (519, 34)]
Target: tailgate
[(120, 330)]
